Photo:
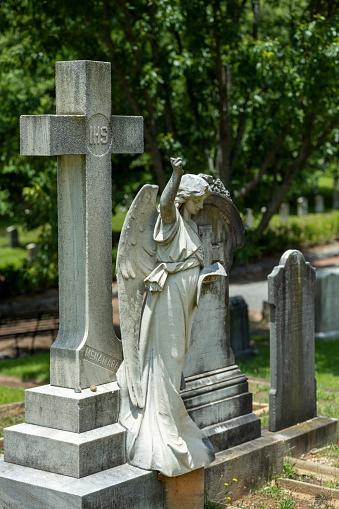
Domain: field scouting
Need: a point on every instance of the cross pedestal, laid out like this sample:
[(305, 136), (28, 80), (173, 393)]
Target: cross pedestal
[(70, 452), (83, 134)]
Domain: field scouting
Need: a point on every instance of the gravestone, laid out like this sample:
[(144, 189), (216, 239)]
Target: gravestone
[(284, 212), (302, 206), (32, 251), (249, 219), (239, 327), (291, 292), (70, 452), (327, 303), (336, 192), (12, 234), (319, 206), (216, 395)]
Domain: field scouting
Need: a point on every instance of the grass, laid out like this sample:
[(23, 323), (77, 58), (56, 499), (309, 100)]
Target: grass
[(9, 421), (35, 367), (326, 371), (11, 395), (15, 255)]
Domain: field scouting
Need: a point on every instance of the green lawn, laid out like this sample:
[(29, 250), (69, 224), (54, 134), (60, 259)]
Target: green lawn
[(35, 367), (326, 372), (14, 255), (11, 395)]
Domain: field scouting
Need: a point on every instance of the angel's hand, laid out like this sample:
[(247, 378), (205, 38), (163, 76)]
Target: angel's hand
[(177, 165)]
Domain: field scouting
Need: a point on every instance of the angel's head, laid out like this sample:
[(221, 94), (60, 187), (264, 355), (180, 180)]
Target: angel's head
[(192, 192)]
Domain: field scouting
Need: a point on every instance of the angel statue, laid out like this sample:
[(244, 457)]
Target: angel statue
[(162, 250)]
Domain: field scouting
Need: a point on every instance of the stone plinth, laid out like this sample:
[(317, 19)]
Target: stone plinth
[(64, 409), (74, 434), (216, 394), (220, 404)]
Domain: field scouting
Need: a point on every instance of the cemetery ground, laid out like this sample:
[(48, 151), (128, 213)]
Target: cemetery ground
[(31, 371)]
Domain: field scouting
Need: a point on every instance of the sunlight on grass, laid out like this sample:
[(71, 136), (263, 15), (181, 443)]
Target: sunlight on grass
[(11, 395), (35, 367)]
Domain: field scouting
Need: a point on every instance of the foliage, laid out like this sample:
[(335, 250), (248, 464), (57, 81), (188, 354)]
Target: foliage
[(244, 90), (297, 233)]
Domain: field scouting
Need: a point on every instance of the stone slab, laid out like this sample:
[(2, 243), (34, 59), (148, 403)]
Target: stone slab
[(225, 435), (122, 487), (72, 454), (308, 435), (64, 409), (254, 463), (291, 290), (220, 411), (221, 392)]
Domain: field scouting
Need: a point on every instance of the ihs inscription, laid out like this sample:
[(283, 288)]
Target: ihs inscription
[(99, 135)]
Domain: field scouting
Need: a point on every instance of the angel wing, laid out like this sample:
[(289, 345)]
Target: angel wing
[(135, 260)]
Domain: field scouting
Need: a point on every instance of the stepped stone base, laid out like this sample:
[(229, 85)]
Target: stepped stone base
[(62, 452), (220, 404), (121, 487), (126, 487)]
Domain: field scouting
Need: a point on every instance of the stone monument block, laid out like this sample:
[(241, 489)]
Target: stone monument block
[(327, 303), (216, 392), (291, 293)]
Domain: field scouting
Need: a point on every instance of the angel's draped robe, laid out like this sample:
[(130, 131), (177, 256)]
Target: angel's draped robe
[(161, 436)]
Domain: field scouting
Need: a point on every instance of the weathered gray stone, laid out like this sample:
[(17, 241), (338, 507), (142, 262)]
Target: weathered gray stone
[(291, 290), (284, 212), (319, 206), (221, 232), (64, 409), (62, 452), (239, 327), (83, 134), (219, 403), (122, 487), (12, 234), (327, 303), (254, 463), (302, 206), (216, 394)]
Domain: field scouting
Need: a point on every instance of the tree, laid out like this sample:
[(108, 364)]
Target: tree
[(242, 89)]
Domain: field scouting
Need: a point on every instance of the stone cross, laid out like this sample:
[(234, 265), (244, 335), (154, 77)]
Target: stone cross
[(83, 134)]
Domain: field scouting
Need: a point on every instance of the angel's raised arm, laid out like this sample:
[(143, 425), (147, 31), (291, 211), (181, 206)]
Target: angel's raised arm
[(167, 208)]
